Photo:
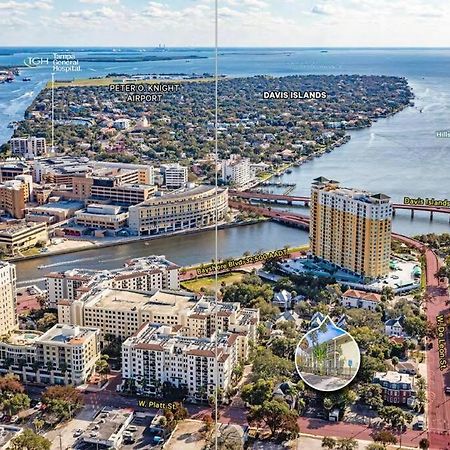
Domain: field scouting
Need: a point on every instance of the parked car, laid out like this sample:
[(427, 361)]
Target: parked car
[(420, 423), (129, 440)]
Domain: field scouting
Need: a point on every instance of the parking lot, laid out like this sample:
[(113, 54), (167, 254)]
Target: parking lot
[(137, 435)]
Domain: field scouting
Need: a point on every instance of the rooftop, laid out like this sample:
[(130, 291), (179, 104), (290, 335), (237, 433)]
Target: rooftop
[(67, 334), (107, 424), (22, 338), (60, 205), (160, 300), (183, 194), (325, 184), (10, 228), (369, 296), (394, 377), (162, 337)]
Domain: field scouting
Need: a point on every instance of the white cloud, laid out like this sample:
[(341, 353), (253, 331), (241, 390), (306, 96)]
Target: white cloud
[(13, 22), (101, 2), (15, 7), (242, 22)]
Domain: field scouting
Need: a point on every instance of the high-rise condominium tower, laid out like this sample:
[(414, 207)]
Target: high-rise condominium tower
[(351, 228)]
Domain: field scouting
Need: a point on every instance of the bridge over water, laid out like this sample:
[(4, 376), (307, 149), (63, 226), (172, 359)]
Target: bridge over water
[(303, 200)]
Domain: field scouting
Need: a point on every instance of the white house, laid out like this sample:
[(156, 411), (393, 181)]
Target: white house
[(289, 316), (282, 299), (360, 299), (395, 327)]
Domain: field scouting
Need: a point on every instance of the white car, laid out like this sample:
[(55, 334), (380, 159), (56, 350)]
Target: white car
[(78, 432)]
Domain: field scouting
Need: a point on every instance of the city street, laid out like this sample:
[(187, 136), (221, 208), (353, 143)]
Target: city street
[(438, 401)]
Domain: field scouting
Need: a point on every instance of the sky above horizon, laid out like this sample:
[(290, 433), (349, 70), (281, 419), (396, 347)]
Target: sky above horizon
[(275, 23)]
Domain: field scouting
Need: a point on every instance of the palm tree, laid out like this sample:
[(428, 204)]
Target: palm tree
[(328, 442), (38, 424), (328, 403), (320, 355), (347, 444), (102, 366)]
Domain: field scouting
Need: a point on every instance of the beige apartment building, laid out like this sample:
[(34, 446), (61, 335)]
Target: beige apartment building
[(183, 210), (351, 228), (8, 313), (122, 312), (65, 354), (159, 354), (140, 274)]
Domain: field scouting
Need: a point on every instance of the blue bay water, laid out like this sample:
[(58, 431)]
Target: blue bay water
[(400, 156)]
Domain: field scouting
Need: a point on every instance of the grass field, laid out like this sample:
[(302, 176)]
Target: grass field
[(96, 82), (209, 284)]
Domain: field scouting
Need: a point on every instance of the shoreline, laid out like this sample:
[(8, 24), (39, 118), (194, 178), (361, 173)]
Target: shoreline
[(97, 245)]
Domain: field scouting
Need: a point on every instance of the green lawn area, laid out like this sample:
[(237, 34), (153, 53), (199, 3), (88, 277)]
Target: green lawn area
[(89, 82), (209, 282), (31, 251)]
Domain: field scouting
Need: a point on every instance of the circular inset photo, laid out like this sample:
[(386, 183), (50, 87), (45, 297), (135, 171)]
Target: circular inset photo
[(327, 357)]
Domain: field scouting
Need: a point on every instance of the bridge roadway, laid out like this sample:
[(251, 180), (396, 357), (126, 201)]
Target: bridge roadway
[(290, 199), (438, 299)]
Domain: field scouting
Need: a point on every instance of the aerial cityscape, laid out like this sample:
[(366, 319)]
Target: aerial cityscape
[(245, 247)]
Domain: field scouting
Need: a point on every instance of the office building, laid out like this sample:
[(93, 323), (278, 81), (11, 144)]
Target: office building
[(60, 170), (14, 194), (191, 208), (113, 184), (351, 228), (107, 429), (19, 236), (175, 175), (12, 199), (158, 355), (29, 148), (104, 217), (8, 313), (10, 169)]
